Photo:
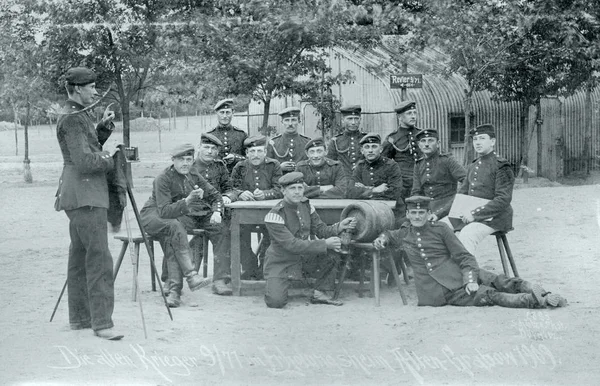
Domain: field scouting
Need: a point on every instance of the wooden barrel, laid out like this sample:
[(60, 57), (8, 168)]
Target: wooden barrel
[(373, 217)]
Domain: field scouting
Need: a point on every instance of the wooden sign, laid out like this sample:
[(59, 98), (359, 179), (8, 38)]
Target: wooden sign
[(406, 81)]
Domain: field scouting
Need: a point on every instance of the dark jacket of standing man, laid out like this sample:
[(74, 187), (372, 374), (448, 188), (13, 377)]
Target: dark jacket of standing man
[(83, 195), (401, 145), (288, 148), (345, 147)]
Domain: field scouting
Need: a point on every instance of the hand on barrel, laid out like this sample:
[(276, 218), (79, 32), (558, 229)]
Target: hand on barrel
[(380, 242), (349, 223)]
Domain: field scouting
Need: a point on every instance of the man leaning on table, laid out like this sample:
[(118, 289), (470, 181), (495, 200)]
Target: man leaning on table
[(292, 252)]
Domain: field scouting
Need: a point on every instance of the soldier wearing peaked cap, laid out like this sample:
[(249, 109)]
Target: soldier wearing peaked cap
[(447, 274), (324, 177), (231, 137), (401, 145), (83, 195), (255, 179), (183, 200), (291, 223), (288, 148), (436, 175), (345, 146), (490, 177)]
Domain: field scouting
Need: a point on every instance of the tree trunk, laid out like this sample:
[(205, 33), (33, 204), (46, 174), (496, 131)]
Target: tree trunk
[(267, 109), (538, 131), (524, 125), (159, 134), (468, 144), (26, 161), (16, 114)]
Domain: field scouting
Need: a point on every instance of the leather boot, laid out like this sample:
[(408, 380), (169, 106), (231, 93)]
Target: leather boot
[(220, 287), (529, 288), (195, 281), (319, 297), (108, 334), (514, 300), (554, 300), (174, 299)]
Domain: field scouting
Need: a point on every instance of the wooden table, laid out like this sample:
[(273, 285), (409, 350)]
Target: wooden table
[(254, 212)]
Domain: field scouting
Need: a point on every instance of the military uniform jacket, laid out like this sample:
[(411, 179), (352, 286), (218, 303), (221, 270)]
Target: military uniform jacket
[(345, 147), (217, 175), (83, 180), (265, 176), (491, 177), (232, 138), (401, 146), (437, 177), (382, 170), (440, 262), (290, 227), (329, 173), (170, 188), (287, 147)]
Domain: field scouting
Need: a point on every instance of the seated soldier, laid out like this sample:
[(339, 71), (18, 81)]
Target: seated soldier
[(214, 171), (291, 223), (325, 177), (182, 200), (255, 179), (447, 274), (436, 174)]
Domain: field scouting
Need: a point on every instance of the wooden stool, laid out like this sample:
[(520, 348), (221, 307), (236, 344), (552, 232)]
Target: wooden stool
[(375, 280), (138, 239), (505, 251)]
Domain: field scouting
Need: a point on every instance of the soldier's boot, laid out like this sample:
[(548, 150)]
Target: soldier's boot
[(220, 287), (174, 299), (504, 299), (543, 297), (527, 287), (319, 297), (554, 300), (195, 281)]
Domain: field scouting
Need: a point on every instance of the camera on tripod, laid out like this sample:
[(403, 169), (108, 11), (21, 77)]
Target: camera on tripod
[(131, 153)]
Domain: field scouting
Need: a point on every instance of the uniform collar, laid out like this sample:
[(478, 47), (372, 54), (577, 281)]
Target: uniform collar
[(225, 127), (376, 162), (289, 135), (491, 154), (70, 104), (433, 156), (352, 133), (289, 205)]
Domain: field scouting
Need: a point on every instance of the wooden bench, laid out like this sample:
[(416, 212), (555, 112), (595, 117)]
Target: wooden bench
[(198, 244)]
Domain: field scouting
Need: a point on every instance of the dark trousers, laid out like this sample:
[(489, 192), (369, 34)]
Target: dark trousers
[(172, 234), (322, 268), (90, 270)]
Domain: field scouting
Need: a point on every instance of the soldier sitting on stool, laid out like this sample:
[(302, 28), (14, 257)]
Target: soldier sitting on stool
[(447, 274), (291, 223), (182, 200)]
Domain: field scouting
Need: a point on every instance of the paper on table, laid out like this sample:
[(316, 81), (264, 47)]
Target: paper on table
[(463, 203)]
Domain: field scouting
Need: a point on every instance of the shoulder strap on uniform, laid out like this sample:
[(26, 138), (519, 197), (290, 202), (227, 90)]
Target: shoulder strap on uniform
[(274, 218)]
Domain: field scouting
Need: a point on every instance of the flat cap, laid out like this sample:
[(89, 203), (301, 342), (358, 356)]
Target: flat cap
[(417, 202), (255, 140), (351, 110), (209, 138), (486, 128), (427, 133), (224, 104), (370, 138), (291, 111), (314, 143), (182, 150), (291, 178), (405, 106), (80, 76)]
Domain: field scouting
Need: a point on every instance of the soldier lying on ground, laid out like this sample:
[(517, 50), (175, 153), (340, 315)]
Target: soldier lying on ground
[(446, 273)]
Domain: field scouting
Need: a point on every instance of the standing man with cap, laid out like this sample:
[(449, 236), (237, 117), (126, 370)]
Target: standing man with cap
[(83, 195), (447, 274), (255, 179), (288, 148), (345, 147), (401, 145), (436, 174), (324, 177), (182, 200), (291, 223), (491, 177), (230, 136)]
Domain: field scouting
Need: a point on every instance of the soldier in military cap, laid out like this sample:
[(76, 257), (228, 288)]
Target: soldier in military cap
[(255, 179), (345, 147), (436, 174), (230, 136), (447, 274), (401, 145), (491, 177), (183, 200), (291, 223), (376, 177), (325, 178), (83, 195), (288, 147)]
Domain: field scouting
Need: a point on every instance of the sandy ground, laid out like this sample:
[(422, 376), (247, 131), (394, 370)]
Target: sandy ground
[(237, 340)]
